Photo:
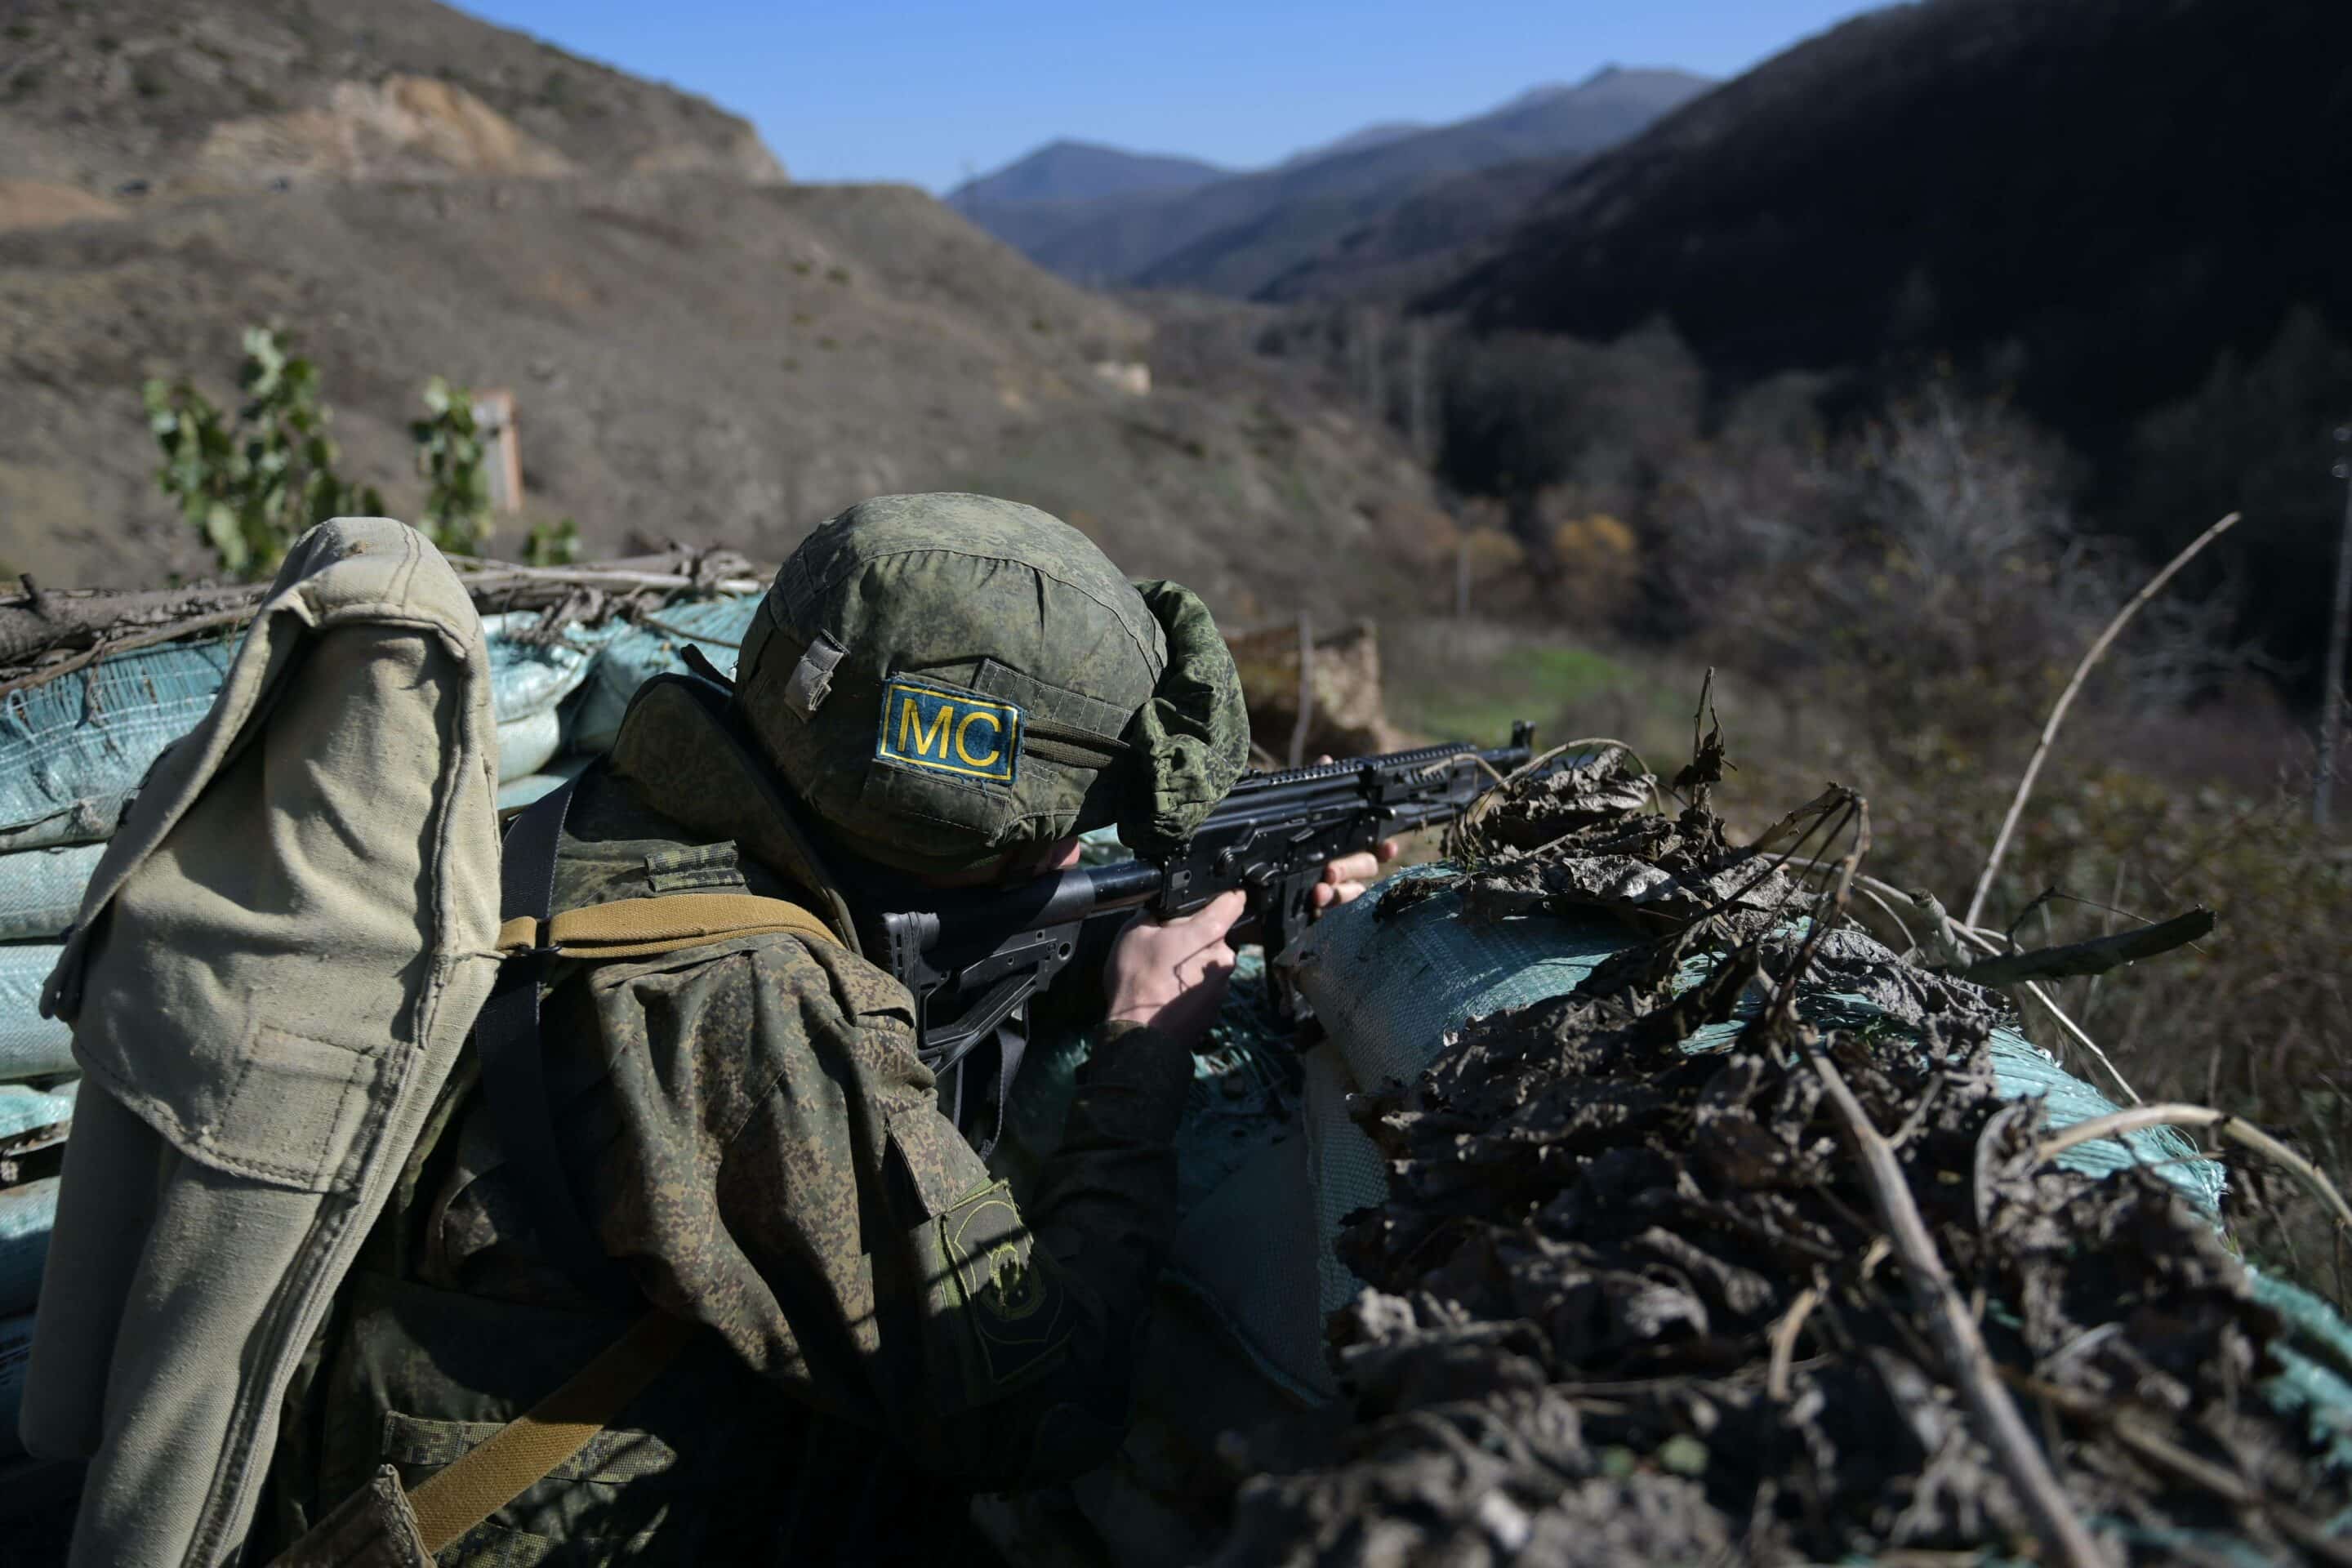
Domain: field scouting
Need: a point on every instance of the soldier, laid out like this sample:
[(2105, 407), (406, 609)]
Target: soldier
[(948, 688)]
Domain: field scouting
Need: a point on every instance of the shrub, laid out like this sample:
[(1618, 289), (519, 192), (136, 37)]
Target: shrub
[(451, 457), (251, 485)]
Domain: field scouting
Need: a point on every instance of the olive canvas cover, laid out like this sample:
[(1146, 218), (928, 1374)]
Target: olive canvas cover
[(273, 969)]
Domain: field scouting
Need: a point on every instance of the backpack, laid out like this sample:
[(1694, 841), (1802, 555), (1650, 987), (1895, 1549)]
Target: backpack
[(276, 964)]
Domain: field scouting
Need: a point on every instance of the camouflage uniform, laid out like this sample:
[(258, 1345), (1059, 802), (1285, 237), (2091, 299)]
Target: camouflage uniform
[(748, 1124)]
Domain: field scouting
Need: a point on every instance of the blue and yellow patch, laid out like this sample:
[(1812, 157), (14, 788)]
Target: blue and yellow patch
[(937, 729)]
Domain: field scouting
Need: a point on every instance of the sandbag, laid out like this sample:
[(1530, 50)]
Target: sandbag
[(27, 1213), (633, 655), (73, 749), (554, 774), (27, 1111), (41, 889), (529, 686), (31, 1046)]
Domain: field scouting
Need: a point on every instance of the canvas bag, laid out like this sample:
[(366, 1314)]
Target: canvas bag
[(273, 969)]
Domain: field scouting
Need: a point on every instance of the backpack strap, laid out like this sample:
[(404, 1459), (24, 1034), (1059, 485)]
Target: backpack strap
[(647, 927), (507, 1035), (514, 1070), (528, 1449)]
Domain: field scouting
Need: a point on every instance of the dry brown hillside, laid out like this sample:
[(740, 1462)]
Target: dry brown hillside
[(145, 99), (698, 350)]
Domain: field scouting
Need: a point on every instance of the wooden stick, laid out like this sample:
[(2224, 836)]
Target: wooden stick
[(1784, 1343), (2067, 700), (2093, 957), (171, 632), (102, 623), (2064, 1539)]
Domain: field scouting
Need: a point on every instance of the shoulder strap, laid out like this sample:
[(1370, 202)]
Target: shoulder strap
[(514, 1070), (526, 1450), (647, 927), (507, 1037)]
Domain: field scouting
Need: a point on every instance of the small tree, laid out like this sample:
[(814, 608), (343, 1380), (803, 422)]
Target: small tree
[(451, 456), (252, 486)]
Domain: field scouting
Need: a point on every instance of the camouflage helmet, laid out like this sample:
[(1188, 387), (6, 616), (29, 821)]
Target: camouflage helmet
[(943, 678)]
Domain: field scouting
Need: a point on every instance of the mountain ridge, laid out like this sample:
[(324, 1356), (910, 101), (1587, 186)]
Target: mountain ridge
[(1270, 220)]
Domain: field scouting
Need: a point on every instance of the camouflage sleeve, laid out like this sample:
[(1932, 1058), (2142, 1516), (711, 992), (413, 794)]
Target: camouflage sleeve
[(1046, 1306), (789, 1180)]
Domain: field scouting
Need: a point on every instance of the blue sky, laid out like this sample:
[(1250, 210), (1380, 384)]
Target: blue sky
[(924, 91)]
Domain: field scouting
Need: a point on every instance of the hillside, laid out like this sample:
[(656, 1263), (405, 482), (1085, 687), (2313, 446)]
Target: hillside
[(698, 348), (2131, 216), (1237, 235), (692, 357), (142, 99)]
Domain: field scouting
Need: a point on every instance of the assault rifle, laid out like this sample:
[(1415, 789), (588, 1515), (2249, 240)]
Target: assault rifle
[(973, 960)]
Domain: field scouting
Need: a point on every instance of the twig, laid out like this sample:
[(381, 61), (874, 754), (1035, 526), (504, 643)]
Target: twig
[(1784, 1343), (654, 622), (1888, 910), (2093, 957), (2067, 700), (66, 667), (2233, 1129), (1995, 1415)]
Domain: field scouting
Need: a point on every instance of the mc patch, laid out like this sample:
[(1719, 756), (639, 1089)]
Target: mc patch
[(935, 729)]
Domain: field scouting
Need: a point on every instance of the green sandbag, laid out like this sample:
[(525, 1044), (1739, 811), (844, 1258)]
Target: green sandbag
[(31, 1046), (73, 749), (40, 889)]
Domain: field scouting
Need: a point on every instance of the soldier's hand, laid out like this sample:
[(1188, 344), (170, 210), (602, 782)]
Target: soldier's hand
[(1172, 974), (1344, 878)]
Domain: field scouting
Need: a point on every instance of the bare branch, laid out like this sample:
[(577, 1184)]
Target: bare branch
[(2093, 957), (2067, 700)]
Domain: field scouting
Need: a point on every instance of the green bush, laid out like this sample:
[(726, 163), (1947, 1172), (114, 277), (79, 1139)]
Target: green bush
[(252, 484), (451, 457)]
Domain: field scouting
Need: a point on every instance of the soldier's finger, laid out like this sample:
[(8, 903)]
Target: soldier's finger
[(1353, 867), (1327, 894), (1216, 917)]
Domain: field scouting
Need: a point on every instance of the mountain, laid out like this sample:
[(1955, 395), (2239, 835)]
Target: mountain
[(1234, 236), (1429, 238), (1082, 170), (1359, 141), (696, 349), (1036, 199), (2132, 215)]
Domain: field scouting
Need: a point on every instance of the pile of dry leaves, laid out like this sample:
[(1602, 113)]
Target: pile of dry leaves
[(1634, 1304)]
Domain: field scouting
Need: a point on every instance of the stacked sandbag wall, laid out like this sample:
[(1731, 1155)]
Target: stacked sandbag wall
[(75, 750)]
